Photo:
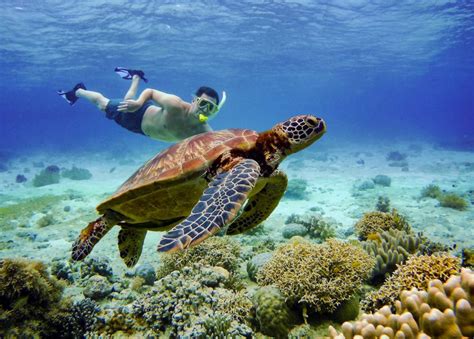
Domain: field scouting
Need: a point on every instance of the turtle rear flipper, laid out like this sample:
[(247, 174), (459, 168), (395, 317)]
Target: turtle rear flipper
[(261, 205), (219, 206), (130, 242)]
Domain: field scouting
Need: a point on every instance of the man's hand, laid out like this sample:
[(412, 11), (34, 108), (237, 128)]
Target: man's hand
[(128, 106)]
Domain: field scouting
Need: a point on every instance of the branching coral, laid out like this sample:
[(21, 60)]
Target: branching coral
[(319, 277), (316, 226), (390, 248), (376, 222), (443, 311), (216, 251), (183, 300), (417, 271)]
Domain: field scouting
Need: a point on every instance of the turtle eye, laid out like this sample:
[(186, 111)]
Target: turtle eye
[(312, 122)]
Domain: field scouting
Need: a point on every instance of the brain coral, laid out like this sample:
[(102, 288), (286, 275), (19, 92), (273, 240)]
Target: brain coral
[(376, 222), (417, 271), (444, 311), (319, 276)]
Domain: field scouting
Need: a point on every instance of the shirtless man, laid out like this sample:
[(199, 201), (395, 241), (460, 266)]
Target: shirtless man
[(156, 114)]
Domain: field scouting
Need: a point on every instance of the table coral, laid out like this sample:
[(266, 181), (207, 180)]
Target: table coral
[(317, 276), (445, 310)]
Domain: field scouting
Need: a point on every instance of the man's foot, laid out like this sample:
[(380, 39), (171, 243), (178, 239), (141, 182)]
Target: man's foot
[(128, 74), (70, 96)]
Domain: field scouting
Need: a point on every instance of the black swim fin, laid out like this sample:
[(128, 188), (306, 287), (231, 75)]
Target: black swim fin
[(128, 74), (70, 96)]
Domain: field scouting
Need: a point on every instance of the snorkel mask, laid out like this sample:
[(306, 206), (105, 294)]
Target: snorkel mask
[(208, 109)]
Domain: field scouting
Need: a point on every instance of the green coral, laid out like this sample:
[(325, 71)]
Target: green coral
[(390, 248), (76, 173), (417, 271), (273, 316), (431, 191), (453, 201), (216, 251), (31, 303), (376, 222), (317, 276), (48, 176)]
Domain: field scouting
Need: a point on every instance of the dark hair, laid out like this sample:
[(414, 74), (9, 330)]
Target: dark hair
[(209, 92)]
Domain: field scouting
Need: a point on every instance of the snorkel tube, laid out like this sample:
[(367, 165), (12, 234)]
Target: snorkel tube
[(204, 118)]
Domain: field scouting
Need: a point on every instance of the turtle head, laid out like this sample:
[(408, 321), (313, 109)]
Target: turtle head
[(301, 131)]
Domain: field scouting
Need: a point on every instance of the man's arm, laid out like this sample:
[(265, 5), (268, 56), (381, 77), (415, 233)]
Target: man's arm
[(165, 100)]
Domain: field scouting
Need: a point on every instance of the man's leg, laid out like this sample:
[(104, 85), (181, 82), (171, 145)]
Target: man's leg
[(95, 97), (132, 91)]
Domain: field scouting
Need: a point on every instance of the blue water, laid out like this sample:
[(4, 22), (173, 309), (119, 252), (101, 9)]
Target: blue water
[(374, 70)]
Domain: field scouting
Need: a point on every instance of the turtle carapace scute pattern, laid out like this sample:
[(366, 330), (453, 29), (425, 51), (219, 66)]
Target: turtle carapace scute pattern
[(221, 180)]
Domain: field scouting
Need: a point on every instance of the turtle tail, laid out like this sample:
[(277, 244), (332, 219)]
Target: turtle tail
[(89, 237)]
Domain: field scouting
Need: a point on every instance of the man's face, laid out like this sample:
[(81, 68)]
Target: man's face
[(204, 107)]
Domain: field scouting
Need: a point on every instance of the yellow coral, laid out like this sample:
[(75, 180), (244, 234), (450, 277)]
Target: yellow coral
[(376, 222), (319, 276), (417, 271), (443, 311)]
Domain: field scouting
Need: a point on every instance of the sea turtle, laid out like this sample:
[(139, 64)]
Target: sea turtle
[(224, 180)]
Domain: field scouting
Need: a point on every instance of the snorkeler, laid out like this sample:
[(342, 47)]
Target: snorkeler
[(156, 114)]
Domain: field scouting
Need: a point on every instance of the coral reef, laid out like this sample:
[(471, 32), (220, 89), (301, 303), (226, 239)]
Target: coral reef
[(382, 180), (468, 257), (317, 276), (48, 176), (256, 263), (417, 271), (273, 316), (431, 191), (216, 251), (20, 178), (390, 248), (383, 204), (297, 189), (453, 201), (376, 222), (184, 302), (31, 304), (445, 310), (27, 291), (316, 226), (395, 156), (76, 173)]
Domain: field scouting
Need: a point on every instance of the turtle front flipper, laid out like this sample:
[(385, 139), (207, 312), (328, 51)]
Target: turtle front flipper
[(218, 206), (130, 243), (261, 205), (91, 235)]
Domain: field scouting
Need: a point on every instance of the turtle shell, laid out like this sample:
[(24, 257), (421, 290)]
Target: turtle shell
[(170, 184)]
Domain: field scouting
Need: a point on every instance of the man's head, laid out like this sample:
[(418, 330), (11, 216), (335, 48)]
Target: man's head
[(207, 103)]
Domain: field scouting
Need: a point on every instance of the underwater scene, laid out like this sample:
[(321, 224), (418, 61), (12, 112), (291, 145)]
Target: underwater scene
[(250, 169)]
